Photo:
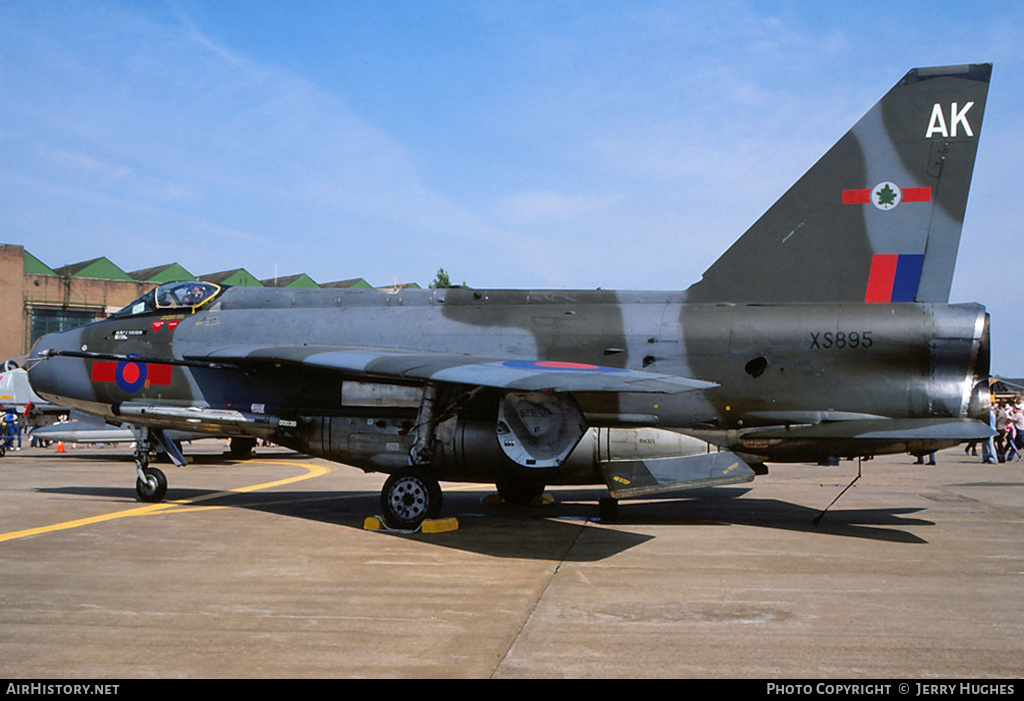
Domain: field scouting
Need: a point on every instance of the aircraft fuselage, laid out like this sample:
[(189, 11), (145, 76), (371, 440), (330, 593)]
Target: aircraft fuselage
[(774, 365)]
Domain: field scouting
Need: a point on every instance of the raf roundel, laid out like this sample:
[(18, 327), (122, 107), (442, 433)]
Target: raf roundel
[(130, 375)]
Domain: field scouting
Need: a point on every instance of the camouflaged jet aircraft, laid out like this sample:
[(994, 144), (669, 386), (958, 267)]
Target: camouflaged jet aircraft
[(825, 331)]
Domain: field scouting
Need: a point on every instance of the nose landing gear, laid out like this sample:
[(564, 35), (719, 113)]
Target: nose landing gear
[(151, 482)]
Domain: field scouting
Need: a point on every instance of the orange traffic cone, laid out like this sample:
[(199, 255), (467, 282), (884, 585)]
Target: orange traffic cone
[(60, 446)]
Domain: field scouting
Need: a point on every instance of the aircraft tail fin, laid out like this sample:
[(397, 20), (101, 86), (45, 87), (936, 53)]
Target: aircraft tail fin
[(878, 218)]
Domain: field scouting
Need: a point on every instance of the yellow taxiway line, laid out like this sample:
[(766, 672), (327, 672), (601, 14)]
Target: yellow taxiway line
[(311, 471)]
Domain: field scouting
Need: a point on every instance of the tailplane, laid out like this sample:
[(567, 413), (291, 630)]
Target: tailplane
[(878, 218)]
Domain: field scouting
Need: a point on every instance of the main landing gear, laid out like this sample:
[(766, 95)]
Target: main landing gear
[(409, 497), (412, 494)]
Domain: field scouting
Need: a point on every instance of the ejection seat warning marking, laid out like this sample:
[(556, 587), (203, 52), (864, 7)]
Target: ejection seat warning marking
[(184, 504)]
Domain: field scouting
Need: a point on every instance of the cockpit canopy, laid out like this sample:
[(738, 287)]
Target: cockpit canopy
[(173, 297)]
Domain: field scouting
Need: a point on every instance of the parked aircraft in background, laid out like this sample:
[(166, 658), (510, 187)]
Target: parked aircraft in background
[(824, 331), (16, 394)]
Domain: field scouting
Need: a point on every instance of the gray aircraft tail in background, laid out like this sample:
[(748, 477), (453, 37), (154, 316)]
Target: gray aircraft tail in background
[(823, 332)]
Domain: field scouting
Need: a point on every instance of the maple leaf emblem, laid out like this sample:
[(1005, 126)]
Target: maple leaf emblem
[(886, 197)]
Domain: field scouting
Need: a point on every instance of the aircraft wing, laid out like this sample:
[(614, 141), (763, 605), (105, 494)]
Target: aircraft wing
[(502, 373)]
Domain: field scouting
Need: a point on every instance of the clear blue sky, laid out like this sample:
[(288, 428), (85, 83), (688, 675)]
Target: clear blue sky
[(517, 144)]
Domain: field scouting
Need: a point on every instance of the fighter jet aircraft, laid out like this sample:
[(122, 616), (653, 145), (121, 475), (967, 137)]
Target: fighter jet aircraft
[(825, 331)]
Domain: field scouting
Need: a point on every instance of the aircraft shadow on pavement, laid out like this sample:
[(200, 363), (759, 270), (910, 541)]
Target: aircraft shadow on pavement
[(501, 530), (555, 531), (722, 506)]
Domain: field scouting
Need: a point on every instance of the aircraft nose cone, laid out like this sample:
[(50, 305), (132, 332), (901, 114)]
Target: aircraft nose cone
[(54, 377)]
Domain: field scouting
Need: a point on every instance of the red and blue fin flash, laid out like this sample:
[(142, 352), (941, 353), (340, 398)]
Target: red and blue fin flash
[(894, 278)]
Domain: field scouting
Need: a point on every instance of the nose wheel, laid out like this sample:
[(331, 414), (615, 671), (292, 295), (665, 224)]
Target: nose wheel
[(151, 484), (409, 497)]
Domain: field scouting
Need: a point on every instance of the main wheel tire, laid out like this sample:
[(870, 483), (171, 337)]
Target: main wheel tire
[(520, 492), (154, 487), (608, 509), (242, 448), (409, 497)]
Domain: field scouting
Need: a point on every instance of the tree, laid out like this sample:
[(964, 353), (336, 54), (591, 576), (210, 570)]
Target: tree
[(441, 280)]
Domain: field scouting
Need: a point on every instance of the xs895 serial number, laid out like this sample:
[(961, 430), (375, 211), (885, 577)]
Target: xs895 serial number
[(825, 340)]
